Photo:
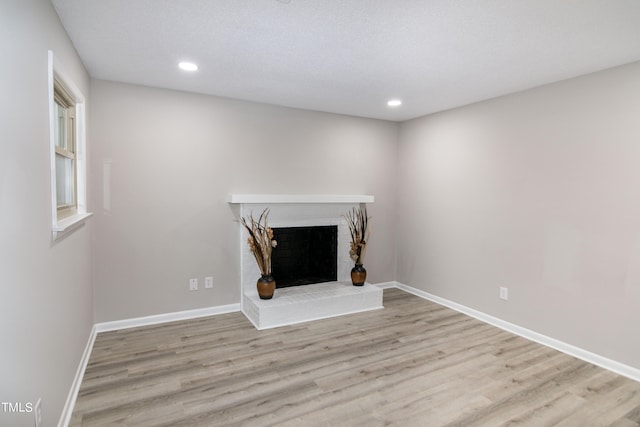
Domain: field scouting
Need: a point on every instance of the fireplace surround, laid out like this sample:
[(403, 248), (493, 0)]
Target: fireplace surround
[(297, 304)]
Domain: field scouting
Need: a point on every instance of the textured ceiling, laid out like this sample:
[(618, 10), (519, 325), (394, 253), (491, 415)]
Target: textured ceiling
[(351, 56)]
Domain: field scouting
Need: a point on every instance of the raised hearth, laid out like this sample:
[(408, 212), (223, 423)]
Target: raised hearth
[(303, 303)]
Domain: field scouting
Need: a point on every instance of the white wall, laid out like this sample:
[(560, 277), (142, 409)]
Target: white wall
[(538, 192), (46, 308), (174, 158)]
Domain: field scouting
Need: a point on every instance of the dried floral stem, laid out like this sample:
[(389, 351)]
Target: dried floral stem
[(260, 240), (358, 222)]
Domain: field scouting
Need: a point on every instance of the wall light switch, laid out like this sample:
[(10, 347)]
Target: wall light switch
[(193, 284), (504, 293)]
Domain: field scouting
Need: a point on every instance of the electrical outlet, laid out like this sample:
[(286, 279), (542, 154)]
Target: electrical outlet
[(37, 413), (208, 282), (193, 284), (504, 293)]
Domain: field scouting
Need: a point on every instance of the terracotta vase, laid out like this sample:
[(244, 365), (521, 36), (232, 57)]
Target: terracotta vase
[(266, 286), (358, 275)]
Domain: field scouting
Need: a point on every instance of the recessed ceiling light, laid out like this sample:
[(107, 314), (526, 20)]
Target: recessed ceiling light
[(188, 66), (394, 103)]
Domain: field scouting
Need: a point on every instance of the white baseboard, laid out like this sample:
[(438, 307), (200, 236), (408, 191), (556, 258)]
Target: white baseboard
[(65, 417), (166, 317), (587, 356), (385, 285)]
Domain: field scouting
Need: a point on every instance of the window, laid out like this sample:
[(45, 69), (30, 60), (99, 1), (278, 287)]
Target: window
[(67, 140)]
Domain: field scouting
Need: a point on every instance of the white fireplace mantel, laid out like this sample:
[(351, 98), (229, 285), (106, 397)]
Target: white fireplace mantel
[(298, 198)]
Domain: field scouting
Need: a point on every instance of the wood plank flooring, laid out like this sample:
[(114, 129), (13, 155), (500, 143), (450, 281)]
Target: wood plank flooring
[(413, 363)]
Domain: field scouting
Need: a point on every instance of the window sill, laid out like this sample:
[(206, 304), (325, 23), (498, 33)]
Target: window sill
[(69, 224)]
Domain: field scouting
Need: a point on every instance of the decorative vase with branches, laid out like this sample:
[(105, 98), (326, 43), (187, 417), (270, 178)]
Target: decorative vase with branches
[(261, 244), (358, 223)]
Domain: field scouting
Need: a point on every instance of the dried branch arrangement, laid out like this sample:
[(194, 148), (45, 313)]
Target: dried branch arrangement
[(358, 222), (260, 240)]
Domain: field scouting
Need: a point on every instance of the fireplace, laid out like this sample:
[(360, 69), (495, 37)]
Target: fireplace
[(301, 214), (305, 255)]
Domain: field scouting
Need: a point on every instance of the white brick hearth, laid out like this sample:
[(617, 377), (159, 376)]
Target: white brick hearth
[(310, 302)]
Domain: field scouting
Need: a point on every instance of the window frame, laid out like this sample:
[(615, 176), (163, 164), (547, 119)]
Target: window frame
[(64, 92)]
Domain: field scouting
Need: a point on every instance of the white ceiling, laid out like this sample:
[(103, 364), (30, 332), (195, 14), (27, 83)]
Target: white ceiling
[(351, 56)]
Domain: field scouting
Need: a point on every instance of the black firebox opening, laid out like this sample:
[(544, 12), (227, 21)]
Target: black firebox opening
[(305, 255)]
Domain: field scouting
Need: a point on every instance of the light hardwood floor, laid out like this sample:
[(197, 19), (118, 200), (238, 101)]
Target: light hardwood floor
[(413, 363)]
